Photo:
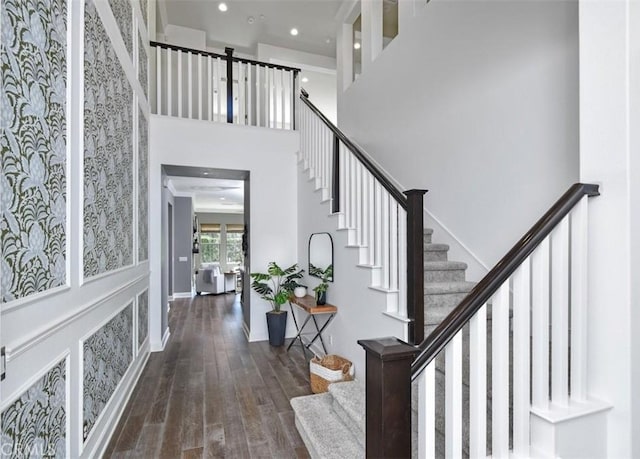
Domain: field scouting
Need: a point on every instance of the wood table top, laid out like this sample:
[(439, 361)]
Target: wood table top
[(308, 303)]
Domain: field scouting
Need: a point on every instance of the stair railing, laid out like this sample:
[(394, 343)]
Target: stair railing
[(195, 84), (383, 222), (538, 293)]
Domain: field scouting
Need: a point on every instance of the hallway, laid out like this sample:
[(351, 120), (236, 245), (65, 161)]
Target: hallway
[(212, 394)]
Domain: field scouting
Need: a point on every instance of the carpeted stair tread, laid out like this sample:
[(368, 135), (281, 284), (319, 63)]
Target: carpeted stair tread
[(439, 288), (431, 247), (444, 265), (323, 432), (349, 404)]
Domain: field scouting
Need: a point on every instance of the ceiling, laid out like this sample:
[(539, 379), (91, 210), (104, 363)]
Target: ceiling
[(211, 194), (248, 22)]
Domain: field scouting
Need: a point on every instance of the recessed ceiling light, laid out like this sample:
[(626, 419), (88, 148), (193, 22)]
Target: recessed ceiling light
[(205, 173), (356, 45), (305, 79), (222, 199), (222, 7), (251, 20), (328, 40), (294, 31)]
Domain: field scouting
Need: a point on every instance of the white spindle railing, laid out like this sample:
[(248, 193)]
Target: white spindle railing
[(375, 222), (193, 84), (546, 292)]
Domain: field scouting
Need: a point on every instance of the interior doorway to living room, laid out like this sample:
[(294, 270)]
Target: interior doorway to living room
[(211, 215)]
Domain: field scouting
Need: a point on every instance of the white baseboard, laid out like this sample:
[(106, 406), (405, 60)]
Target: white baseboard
[(182, 295), (165, 337), (245, 329)]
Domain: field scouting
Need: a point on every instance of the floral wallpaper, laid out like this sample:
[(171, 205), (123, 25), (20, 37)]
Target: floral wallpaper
[(33, 139), (143, 316), (108, 154), (143, 187), (143, 67), (143, 6), (123, 12), (107, 355), (35, 424)]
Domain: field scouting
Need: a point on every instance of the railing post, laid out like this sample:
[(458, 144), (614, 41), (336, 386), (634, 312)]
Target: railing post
[(415, 264), (388, 397), (229, 53), (294, 98)]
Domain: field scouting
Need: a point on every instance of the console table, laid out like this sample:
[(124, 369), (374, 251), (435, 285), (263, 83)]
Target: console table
[(308, 304)]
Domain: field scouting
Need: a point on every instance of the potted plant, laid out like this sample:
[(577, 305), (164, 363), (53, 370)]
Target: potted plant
[(321, 289), (276, 286)]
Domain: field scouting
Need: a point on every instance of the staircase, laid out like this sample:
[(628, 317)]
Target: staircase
[(332, 425)]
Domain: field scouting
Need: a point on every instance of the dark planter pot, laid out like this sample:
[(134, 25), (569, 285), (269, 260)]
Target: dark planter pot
[(277, 325), (321, 298)]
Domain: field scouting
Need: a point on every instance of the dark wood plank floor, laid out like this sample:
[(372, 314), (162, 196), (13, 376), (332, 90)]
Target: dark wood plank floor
[(213, 394)]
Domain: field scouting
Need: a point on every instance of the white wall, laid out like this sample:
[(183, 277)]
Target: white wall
[(478, 102), (360, 309), (610, 154), (269, 156)]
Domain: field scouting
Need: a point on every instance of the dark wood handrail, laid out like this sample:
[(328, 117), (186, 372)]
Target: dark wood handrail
[(362, 157), (222, 56), (488, 286)]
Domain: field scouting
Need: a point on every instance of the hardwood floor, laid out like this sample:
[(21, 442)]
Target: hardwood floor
[(213, 394)]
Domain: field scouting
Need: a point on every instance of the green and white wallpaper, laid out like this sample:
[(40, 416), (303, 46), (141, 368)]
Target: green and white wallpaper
[(143, 187), (107, 355), (108, 153), (33, 138), (123, 12), (143, 63), (143, 317), (35, 425), (144, 6)]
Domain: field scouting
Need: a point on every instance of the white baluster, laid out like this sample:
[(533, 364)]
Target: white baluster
[(478, 384), (427, 412), (385, 239), (540, 325), (372, 221), (342, 178), (210, 97), (259, 94), (366, 218), (241, 94), (169, 84), (190, 84), (378, 226), (199, 86), (453, 397), (500, 372), (250, 93), (521, 344), (347, 188), (222, 107), (179, 88), (283, 97), (579, 300), (393, 244), (560, 313), (402, 262), (358, 204), (269, 81), (159, 80)]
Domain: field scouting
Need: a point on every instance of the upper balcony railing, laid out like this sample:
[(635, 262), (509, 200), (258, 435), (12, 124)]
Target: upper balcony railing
[(195, 84)]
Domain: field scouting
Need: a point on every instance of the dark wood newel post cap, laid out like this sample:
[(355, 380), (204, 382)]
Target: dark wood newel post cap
[(415, 191), (303, 92), (388, 349), (228, 51)]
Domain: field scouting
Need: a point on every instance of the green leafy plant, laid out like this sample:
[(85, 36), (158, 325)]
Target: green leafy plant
[(323, 275), (277, 284)]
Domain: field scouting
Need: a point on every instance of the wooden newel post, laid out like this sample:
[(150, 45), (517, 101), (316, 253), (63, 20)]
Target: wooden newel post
[(388, 397), (415, 264), (229, 53)]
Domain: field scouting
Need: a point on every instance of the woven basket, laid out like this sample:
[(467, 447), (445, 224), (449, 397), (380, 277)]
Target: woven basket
[(329, 369)]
